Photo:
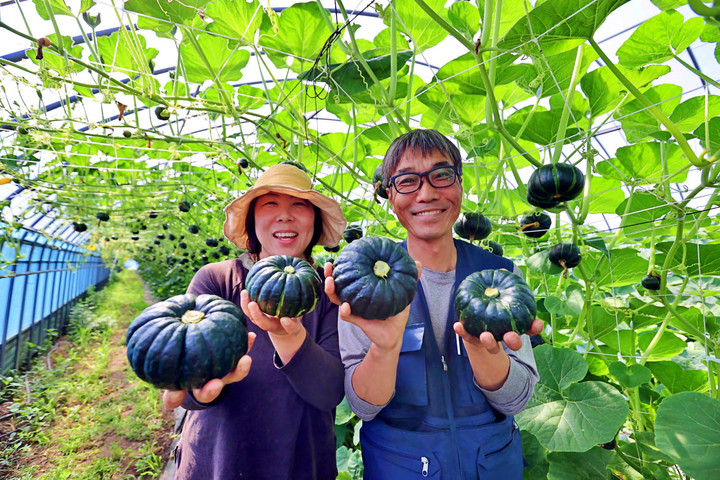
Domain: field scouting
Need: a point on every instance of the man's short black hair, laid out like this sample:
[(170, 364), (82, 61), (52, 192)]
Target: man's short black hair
[(425, 141)]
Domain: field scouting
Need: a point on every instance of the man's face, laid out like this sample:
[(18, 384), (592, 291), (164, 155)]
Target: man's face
[(429, 213)]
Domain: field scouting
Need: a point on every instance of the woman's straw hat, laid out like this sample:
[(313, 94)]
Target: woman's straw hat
[(288, 179)]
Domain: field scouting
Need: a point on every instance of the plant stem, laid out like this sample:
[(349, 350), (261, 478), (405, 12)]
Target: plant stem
[(562, 127), (490, 95), (697, 72), (651, 108)]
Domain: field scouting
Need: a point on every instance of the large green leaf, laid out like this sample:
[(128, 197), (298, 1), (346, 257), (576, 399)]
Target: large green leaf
[(709, 138), (590, 465), (424, 32), (566, 416), (56, 61), (56, 7), (640, 218), (559, 26), (676, 379), (698, 259), (465, 17), (238, 19), (656, 40), (669, 345), (540, 263), (630, 376), (572, 305), (117, 54), (625, 267), (298, 37), (605, 91), (216, 59), (637, 122), (553, 72), (351, 78), (541, 128), (642, 163), (605, 193), (687, 428), (165, 13), (694, 111)]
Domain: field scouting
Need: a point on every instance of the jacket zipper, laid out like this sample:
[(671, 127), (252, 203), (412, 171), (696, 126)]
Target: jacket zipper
[(425, 466), (451, 415)]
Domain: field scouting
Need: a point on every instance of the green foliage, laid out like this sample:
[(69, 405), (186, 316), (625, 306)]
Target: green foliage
[(516, 88)]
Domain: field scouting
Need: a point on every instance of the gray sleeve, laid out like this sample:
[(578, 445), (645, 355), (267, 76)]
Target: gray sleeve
[(354, 345), (517, 271), (517, 390)]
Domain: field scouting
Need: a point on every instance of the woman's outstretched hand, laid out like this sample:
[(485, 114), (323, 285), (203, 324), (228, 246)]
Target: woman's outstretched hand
[(211, 390)]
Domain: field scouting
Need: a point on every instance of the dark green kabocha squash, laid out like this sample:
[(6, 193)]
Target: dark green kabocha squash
[(334, 249), (551, 185), (352, 233), (135, 238), (294, 164), (651, 281), (185, 341), (102, 216), (242, 163), (376, 276), (194, 229), (535, 225), (284, 286), (161, 236), (473, 226), (380, 190), (184, 206), (565, 255), (79, 227), (223, 250), (496, 301), (492, 247), (211, 242), (162, 112), (152, 214)]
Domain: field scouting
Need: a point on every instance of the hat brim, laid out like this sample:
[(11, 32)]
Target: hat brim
[(333, 220)]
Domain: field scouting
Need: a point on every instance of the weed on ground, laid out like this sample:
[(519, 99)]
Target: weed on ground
[(80, 412)]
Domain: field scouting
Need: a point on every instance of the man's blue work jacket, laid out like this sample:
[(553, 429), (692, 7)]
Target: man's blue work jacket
[(439, 425)]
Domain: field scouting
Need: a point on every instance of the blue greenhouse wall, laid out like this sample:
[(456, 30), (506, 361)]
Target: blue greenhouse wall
[(40, 279)]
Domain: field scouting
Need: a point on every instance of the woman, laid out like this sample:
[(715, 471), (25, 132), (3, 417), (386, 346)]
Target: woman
[(278, 421)]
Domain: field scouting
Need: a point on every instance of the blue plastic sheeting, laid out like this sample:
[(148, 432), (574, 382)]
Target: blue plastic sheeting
[(40, 278)]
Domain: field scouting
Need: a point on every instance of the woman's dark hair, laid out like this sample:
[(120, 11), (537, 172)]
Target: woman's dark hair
[(254, 245)]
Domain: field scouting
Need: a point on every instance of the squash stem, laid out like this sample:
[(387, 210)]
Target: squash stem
[(192, 316)]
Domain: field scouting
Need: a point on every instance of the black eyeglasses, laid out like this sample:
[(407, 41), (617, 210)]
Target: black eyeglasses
[(439, 177)]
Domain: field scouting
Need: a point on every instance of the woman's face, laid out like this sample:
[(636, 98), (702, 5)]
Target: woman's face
[(283, 224)]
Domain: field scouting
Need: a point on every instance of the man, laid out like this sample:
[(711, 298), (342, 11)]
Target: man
[(435, 401)]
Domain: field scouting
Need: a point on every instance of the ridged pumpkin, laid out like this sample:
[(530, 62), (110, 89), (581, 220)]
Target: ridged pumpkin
[(496, 301), (535, 225), (565, 255), (553, 184), (492, 247), (352, 233), (284, 286), (651, 281), (377, 180), (376, 276), (186, 340), (473, 226)]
